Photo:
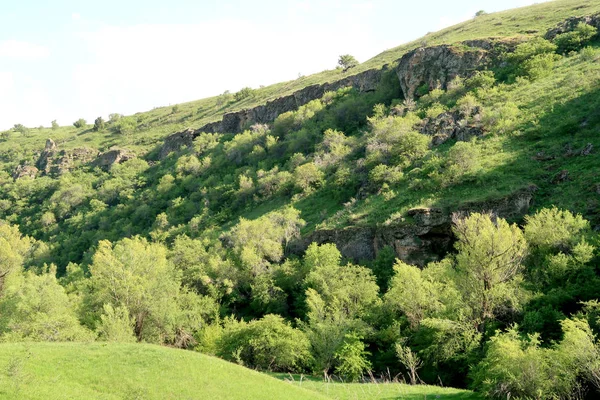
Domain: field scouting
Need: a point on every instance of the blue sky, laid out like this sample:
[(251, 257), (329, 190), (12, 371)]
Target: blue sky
[(69, 59)]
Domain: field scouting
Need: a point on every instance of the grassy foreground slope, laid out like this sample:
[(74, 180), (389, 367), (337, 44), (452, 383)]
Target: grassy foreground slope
[(130, 371), (139, 371)]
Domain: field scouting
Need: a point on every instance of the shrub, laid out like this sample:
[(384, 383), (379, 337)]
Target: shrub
[(80, 123), (576, 39), (308, 177), (481, 79), (269, 344), (54, 125), (243, 94), (351, 358), (125, 125), (99, 124)]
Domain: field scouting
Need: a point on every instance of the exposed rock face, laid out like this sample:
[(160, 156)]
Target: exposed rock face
[(23, 171), (448, 126), (570, 24), (176, 141), (428, 237), (115, 156), (57, 162), (47, 153), (437, 66)]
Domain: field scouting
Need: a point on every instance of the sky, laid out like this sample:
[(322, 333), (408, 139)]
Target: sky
[(69, 59)]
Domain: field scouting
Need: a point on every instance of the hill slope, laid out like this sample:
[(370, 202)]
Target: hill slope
[(130, 371)]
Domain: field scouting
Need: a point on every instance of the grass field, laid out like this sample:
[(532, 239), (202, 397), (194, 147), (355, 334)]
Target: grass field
[(377, 391), (130, 371), (136, 371)]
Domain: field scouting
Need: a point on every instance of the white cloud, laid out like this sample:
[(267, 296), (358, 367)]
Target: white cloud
[(17, 49), (75, 16)]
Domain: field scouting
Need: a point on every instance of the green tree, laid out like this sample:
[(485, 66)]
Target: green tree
[(409, 360), (488, 263), (412, 294), (346, 61), (244, 93), (136, 275), (54, 125), (36, 307)]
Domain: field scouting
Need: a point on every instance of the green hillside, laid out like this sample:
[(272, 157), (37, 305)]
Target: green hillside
[(434, 220), (121, 371), (133, 371)]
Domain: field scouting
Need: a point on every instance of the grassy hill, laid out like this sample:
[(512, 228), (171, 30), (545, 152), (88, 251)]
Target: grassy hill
[(135, 371)]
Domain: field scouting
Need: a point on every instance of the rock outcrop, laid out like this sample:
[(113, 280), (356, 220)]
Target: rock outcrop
[(57, 162), (437, 66), (237, 121), (49, 151), (176, 141), (114, 156), (424, 237), (570, 24), (23, 171), (453, 125)]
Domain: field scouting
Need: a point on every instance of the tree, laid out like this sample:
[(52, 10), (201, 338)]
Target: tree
[(409, 360), (488, 263), (99, 124), (36, 308), (347, 61), (480, 13), (576, 39), (116, 325), (54, 125), (13, 250), (80, 123), (412, 294), (136, 275)]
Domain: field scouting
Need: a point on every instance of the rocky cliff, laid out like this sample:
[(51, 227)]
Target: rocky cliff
[(425, 237)]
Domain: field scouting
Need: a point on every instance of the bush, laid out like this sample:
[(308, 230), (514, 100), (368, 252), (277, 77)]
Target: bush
[(80, 123), (351, 358), (269, 344), (244, 93), (481, 79), (576, 39), (99, 124), (54, 125)]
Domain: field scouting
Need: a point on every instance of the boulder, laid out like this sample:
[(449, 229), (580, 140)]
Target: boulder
[(114, 156), (176, 141), (448, 126), (57, 162)]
